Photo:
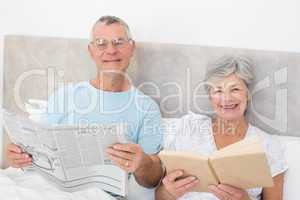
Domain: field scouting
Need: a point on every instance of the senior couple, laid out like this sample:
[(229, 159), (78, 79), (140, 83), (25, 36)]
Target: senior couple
[(111, 47)]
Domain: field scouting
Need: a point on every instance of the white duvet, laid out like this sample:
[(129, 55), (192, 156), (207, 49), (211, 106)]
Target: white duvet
[(17, 185)]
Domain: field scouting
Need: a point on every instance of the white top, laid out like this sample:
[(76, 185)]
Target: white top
[(194, 134)]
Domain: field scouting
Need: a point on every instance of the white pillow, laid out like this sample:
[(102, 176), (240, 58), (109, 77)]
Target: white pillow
[(169, 128), (292, 175), (37, 110)]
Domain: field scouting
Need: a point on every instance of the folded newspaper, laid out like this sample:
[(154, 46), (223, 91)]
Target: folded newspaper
[(73, 157)]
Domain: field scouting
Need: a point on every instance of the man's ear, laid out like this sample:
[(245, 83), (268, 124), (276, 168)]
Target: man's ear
[(90, 51), (133, 47)]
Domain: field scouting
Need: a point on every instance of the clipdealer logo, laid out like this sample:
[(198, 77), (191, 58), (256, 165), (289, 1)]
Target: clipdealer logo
[(279, 121)]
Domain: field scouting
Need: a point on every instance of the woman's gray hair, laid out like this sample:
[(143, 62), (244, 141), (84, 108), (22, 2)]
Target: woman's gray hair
[(108, 20), (240, 66)]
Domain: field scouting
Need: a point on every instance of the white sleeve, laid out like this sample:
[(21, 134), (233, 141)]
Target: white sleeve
[(275, 155)]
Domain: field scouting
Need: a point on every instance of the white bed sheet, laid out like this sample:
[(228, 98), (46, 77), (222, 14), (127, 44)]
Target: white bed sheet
[(17, 185)]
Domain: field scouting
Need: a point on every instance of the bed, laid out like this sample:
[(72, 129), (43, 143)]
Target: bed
[(171, 74)]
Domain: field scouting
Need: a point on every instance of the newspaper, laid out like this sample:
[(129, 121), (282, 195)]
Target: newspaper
[(73, 157)]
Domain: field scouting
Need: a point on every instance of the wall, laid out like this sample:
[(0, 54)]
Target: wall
[(258, 24)]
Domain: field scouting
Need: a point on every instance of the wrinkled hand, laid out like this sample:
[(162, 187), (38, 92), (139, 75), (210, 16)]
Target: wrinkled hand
[(227, 192), (16, 157), (178, 188), (129, 157)]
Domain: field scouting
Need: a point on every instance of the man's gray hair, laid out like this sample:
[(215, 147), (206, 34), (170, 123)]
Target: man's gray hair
[(108, 20), (240, 66)]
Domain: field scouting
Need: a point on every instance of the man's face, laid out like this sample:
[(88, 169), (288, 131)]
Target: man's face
[(111, 49)]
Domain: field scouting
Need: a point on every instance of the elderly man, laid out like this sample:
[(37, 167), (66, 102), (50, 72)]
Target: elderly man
[(110, 97)]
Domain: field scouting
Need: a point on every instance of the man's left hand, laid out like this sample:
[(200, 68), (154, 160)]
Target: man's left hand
[(129, 157)]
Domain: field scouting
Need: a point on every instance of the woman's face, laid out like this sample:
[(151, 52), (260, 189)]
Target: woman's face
[(228, 97)]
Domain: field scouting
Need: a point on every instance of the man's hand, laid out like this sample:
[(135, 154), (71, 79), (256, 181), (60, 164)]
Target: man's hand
[(227, 192), (129, 157), (178, 188), (16, 157), (146, 168)]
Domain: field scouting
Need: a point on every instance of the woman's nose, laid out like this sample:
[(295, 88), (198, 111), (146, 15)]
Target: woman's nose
[(226, 96)]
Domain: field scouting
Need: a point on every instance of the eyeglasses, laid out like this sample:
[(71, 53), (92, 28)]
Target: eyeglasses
[(118, 43)]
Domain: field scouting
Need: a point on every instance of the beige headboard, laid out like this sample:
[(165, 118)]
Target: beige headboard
[(170, 73)]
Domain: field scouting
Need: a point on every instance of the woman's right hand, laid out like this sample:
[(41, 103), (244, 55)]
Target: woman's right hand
[(176, 185), (16, 157)]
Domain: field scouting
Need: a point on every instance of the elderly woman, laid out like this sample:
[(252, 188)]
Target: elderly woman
[(227, 86)]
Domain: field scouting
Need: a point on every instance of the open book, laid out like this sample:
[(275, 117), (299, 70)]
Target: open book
[(242, 164), (72, 157)]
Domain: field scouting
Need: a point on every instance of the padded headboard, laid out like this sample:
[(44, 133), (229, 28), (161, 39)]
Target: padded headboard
[(170, 73)]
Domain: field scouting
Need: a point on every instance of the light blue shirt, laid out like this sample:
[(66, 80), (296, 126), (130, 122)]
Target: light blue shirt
[(82, 103)]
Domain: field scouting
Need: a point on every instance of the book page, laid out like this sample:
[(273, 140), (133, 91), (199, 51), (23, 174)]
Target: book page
[(73, 157), (243, 165), (249, 145), (192, 164)]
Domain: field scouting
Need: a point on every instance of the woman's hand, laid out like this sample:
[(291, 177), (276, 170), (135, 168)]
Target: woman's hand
[(227, 192), (178, 186), (16, 157)]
